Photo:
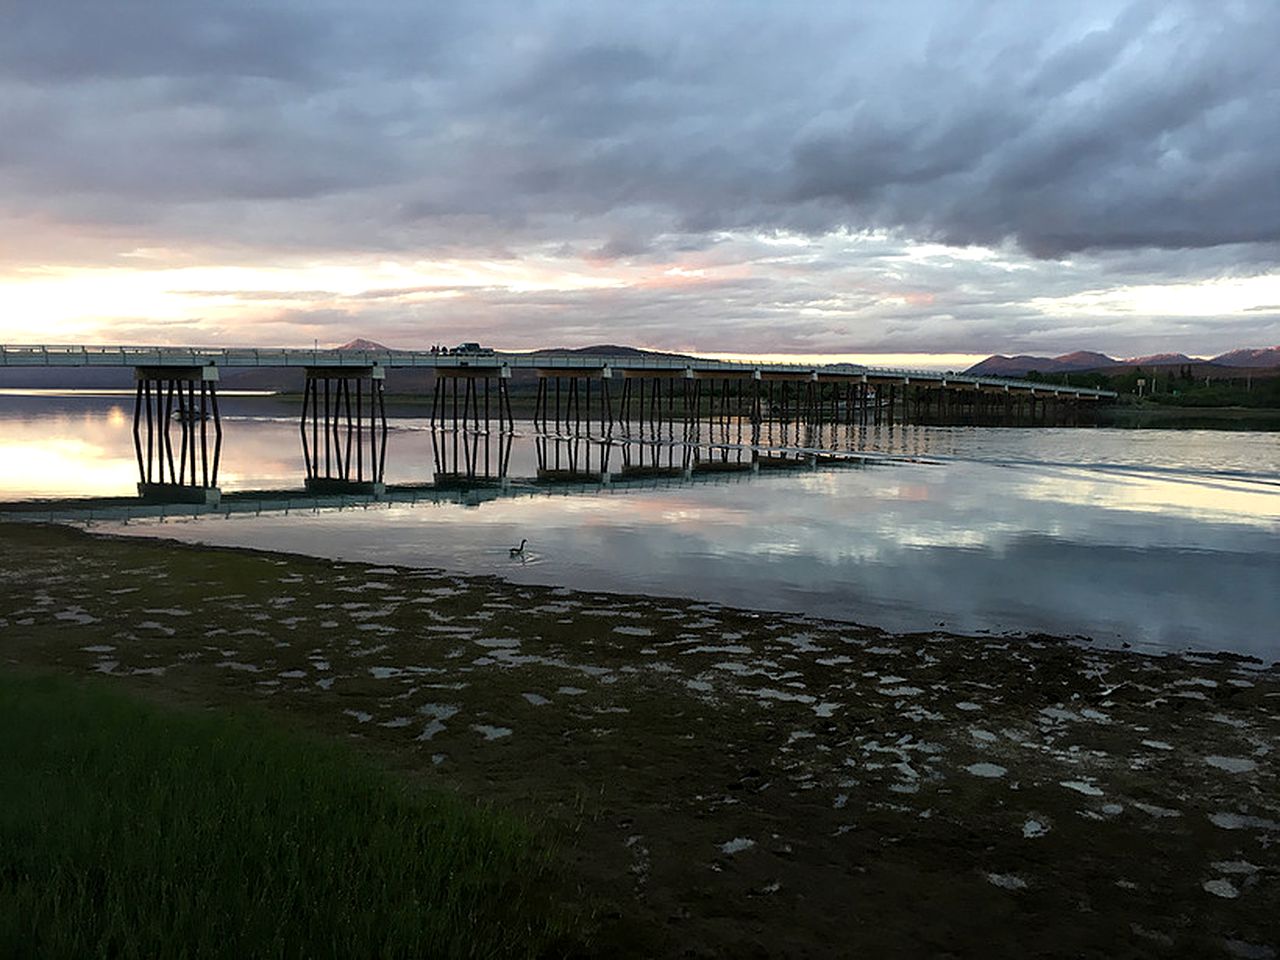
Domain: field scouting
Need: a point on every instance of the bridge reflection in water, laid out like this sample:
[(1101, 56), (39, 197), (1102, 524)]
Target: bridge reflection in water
[(471, 468)]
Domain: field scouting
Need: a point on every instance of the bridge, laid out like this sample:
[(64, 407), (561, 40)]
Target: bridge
[(343, 421), (568, 364)]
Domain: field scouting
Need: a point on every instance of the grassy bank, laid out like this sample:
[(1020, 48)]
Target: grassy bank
[(1147, 414), (134, 830)]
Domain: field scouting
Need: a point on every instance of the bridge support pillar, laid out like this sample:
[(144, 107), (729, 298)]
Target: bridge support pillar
[(344, 430), (464, 397), (186, 396)]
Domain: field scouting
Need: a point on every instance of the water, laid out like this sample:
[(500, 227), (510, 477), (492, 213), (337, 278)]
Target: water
[(1162, 539)]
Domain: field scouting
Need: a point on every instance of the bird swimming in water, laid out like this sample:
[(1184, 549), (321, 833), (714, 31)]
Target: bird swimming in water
[(519, 551)]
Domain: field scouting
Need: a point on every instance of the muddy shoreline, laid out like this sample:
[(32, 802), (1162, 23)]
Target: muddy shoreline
[(725, 782)]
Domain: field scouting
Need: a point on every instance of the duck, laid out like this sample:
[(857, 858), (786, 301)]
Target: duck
[(519, 551)]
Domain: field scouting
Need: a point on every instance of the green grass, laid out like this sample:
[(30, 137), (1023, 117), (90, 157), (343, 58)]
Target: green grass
[(129, 829)]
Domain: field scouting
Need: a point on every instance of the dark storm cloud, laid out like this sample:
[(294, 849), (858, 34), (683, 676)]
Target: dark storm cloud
[(1063, 127), (1092, 145)]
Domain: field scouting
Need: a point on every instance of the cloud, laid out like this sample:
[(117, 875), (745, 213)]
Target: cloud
[(1104, 143)]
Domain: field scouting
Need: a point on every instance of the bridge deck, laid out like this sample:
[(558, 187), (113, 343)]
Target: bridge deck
[(233, 357)]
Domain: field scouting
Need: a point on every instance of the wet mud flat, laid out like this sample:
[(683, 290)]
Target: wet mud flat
[(723, 782)]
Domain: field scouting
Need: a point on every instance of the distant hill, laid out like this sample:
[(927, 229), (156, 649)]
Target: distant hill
[(607, 349), (1263, 357), (1161, 360), (1082, 361), (1002, 366), (360, 343)]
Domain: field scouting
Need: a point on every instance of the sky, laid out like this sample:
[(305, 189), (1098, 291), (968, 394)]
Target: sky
[(734, 177)]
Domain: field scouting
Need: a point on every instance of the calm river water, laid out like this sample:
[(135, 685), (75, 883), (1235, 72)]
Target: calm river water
[(1161, 539)]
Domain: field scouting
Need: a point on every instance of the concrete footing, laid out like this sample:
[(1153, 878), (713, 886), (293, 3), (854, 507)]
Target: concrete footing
[(329, 486), (179, 493)]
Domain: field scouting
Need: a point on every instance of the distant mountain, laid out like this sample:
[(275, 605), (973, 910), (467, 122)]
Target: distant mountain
[(606, 349), (1263, 357), (1002, 366), (1083, 360), (360, 343), (1161, 360)]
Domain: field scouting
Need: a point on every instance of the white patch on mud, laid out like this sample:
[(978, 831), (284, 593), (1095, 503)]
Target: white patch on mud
[(1227, 820), (735, 649), (1157, 745), (1007, 881), (439, 712), (736, 845), (490, 732), (1080, 786), (360, 715), (833, 661), (1058, 715), (1034, 828), (99, 648), (765, 694), (1221, 888), (1231, 764), (75, 615), (1235, 866), (536, 699), (989, 770)]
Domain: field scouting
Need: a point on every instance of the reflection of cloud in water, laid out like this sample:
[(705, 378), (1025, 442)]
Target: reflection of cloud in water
[(986, 550), (1158, 555), (1218, 499)]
